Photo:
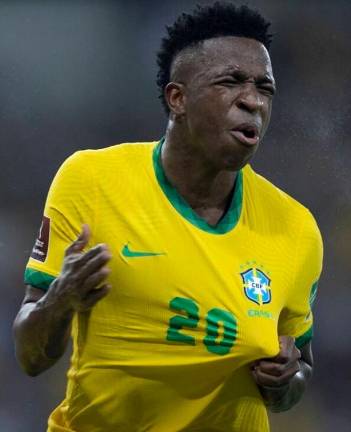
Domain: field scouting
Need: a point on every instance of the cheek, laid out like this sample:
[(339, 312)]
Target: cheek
[(206, 113), (267, 117)]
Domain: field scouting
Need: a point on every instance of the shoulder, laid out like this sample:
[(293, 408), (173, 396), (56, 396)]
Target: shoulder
[(84, 169), (112, 154), (266, 191), (279, 205)]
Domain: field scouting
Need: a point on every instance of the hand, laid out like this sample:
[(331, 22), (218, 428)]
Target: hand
[(276, 372), (78, 287)]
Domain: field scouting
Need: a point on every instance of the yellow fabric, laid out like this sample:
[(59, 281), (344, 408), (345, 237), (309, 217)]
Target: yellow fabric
[(168, 349)]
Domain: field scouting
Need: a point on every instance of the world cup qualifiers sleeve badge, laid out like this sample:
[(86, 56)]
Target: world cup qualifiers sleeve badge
[(41, 245)]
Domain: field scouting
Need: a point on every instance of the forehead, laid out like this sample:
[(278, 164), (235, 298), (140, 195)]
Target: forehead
[(230, 53)]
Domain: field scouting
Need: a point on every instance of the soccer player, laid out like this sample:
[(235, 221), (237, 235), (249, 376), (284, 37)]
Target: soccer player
[(184, 277)]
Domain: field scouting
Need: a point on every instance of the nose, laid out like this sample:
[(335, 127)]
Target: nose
[(249, 99)]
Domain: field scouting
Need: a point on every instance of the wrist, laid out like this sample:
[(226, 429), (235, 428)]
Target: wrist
[(275, 398), (55, 304), (282, 398)]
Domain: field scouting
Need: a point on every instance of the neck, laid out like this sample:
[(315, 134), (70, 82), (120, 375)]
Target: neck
[(203, 186)]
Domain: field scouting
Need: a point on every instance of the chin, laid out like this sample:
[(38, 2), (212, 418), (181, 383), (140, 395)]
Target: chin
[(236, 161)]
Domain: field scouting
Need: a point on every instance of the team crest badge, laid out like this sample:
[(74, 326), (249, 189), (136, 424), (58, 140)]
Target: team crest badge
[(257, 286)]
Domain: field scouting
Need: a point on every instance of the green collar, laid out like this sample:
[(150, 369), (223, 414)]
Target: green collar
[(225, 224)]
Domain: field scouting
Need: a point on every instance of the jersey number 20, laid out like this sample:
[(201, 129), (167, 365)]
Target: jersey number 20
[(215, 317)]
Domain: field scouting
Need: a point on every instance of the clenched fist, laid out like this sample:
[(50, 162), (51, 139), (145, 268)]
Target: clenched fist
[(278, 371)]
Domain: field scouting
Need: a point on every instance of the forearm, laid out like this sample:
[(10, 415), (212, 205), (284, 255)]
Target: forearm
[(41, 332), (283, 398)]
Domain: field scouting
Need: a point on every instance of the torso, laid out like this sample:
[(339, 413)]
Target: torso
[(193, 303)]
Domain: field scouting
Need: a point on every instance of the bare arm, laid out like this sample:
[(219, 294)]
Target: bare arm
[(41, 332), (42, 326), (283, 380)]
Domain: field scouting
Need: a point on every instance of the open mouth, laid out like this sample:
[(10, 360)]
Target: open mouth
[(246, 134)]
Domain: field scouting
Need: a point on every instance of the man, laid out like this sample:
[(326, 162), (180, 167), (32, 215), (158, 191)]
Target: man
[(202, 318)]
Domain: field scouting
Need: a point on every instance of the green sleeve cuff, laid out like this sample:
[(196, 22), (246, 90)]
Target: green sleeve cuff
[(38, 279), (304, 338)]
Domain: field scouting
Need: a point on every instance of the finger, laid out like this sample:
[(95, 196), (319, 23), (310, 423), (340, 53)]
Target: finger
[(81, 242), (266, 379), (277, 369), (288, 356), (271, 368), (83, 238), (93, 265), (288, 351), (95, 295), (94, 251), (93, 281)]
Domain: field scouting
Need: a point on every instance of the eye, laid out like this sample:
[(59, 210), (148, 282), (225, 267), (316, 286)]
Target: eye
[(267, 89), (226, 81)]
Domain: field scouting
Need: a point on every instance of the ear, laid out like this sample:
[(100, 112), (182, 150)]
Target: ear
[(176, 98)]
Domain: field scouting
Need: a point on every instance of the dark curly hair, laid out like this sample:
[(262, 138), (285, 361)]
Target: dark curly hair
[(206, 22)]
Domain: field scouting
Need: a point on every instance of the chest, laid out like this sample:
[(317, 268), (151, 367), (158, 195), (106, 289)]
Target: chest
[(183, 289)]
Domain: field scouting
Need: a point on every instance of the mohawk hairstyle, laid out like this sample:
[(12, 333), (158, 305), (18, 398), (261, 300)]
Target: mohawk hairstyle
[(206, 22)]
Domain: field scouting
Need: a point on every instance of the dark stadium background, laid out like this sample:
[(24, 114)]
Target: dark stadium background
[(81, 74)]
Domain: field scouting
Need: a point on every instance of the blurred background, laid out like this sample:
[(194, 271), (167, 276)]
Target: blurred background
[(81, 74)]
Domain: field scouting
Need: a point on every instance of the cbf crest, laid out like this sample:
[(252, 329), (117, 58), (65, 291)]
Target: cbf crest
[(257, 285)]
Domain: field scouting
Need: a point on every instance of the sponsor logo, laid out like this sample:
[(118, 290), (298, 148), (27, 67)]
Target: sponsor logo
[(126, 252), (256, 285), (41, 245)]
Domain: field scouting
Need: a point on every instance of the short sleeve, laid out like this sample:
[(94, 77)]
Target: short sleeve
[(69, 204), (296, 319)]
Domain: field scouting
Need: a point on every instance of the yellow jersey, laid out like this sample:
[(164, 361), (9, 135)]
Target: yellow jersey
[(191, 305)]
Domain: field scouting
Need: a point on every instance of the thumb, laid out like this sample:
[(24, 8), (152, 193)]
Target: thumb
[(286, 349), (82, 240)]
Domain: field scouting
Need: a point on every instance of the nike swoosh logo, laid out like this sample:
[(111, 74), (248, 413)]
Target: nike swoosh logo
[(134, 254)]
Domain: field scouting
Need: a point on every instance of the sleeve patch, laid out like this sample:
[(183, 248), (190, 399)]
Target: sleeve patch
[(40, 249), (38, 279)]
